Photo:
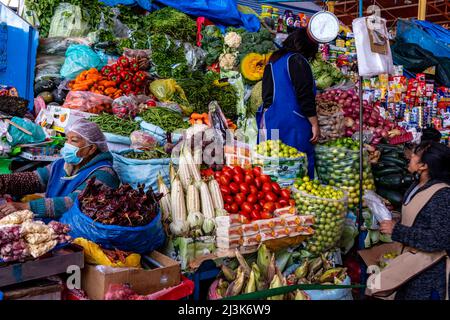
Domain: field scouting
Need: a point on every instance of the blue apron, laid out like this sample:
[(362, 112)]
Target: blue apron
[(285, 113), (59, 185)]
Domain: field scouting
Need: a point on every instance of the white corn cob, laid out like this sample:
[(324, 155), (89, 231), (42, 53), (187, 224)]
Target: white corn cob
[(164, 203), (192, 199), (198, 158), (193, 169), (183, 172), (172, 172), (207, 208), (179, 225), (216, 196)]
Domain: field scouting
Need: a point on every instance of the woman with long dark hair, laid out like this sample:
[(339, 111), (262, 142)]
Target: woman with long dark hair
[(425, 226), (289, 96)]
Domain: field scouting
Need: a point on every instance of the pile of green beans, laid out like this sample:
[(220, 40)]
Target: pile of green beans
[(164, 118), (113, 124), (156, 153)]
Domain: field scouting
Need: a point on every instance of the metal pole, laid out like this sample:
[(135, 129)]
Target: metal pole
[(422, 12)]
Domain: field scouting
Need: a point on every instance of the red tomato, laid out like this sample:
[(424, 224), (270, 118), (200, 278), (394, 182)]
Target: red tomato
[(226, 169), (292, 202), (269, 206), (239, 198), (238, 178), (227, 207), (265, 178), (224, 190), (258, 182), (224, 181), (254, 190), (285, 194), (257, 171), (247, 207), (271, 197), (278, 206), (243, 219), (249, 179), (248, 171), (276, 188), (284, 202), (238, 170), (252, 198), (217, 175), (267, 187), (261, 195), (234, 208), (255, 215), (266, 215), (245, 189), (234, 187), (262, 202), (257, 207), (228, 199), (228, 174)]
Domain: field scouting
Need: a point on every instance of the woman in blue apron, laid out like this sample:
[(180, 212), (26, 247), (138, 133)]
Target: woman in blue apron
[(289, 97), (85, 155)]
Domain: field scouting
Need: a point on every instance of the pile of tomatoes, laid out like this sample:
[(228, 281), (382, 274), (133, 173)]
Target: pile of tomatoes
[(251, 193)]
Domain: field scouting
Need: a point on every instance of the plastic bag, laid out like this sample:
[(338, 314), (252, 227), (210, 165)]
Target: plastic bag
[(67, 21), (88, 102), (327, 234), (93, 254), (78, 59), (142, 140), (48, 68), (141, 239), (371, 63), (332, 294), (376, 206), (60, 93), (165, 89), (125, 107), (134, 171), (140, 55), (349, 233), (17, 136), (235, 79), (195, 56), (59, 45)]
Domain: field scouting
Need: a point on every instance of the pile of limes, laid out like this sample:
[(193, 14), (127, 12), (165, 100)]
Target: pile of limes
[(337, 164), (329, 207), (277, 149)]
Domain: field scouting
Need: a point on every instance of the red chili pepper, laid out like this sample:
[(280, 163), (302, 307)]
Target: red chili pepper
[(106, 70), (134, 65), (126, 76), (142, 75), (114, 77), (118, 68), (123, 61), (126, 87)]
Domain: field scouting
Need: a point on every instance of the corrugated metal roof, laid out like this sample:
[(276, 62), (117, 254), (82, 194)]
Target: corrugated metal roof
[(256, 5)]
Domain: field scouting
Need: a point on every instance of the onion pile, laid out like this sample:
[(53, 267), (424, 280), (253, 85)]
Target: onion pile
[(372, 119), (331, 120)]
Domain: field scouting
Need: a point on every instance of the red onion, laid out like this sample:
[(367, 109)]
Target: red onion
[(332, 92), (348, 132), (365, 103), (384, 133), (344, 95)]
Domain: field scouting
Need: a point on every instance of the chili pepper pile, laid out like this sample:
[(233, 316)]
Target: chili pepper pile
[(121, 78), (156, 153), (116, 255), (124, 206), (164, 118), (13, 106), (127, 76), (113, 124)]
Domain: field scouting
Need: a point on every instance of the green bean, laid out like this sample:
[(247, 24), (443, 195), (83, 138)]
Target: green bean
[(115, 125), (166, 119), (156, 153)]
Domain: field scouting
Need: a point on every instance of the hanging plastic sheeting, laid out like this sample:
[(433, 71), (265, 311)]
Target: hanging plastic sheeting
[(371, 63), (427, 35), (221, 12), (415, 58), (3, 46)]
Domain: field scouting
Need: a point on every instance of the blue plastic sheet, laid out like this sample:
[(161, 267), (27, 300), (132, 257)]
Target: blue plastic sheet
[(435, 30), (142, 239), (221, 12), (3, 46), (410, 32), (135, 171)]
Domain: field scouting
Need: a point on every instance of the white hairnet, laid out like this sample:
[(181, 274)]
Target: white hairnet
[(90, 132)]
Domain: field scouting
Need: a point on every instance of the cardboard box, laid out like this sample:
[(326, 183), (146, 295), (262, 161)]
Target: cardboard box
[(96, 280)]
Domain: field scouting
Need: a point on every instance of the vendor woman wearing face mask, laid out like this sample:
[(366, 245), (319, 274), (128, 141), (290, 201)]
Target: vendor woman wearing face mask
[(85, 155), (424, 229)]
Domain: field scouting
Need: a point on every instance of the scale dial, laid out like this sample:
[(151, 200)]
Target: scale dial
[(323, 27)]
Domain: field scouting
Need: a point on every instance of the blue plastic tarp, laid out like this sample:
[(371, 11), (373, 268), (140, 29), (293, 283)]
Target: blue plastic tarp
[(411, 32), (221, 12), (435, 30)]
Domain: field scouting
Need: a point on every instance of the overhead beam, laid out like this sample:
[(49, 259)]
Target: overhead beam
[(398, 7), (442, 12)]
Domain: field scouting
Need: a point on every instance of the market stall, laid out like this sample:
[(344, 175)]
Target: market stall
[(201, 203)]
